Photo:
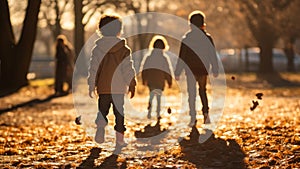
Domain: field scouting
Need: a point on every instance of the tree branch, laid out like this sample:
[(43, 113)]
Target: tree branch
[(89, 17), (6, 27)]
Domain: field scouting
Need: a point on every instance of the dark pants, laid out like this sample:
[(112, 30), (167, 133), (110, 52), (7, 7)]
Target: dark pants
[(191, 87), (60, 76), (104, 102)]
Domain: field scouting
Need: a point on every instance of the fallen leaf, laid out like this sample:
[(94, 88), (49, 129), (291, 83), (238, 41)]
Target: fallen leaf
[(255, 104), (259, 95)]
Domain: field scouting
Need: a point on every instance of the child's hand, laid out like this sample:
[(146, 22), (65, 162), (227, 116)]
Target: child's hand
[(91, 93), (215, 74), (132, 92)]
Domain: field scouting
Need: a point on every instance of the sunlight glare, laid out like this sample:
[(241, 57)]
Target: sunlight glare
[(67, 21)]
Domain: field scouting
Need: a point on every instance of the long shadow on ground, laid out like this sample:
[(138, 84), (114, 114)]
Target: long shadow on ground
[(262, 80), (151, 134), (89, 162), (109, 162), (31, 103), (276, 80), (213, 153)]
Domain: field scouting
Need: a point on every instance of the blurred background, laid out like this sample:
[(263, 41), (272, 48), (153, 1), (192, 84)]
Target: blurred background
[(256, 36)]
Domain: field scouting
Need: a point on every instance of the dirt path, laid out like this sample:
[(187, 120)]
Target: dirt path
[(41, 133)]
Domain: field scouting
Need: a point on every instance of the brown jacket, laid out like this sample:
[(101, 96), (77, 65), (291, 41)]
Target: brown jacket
[(111, 68), (197, 53), (157, 70)]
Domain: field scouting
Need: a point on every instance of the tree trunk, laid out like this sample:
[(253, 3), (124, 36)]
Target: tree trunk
[(266, 38), (79, 38), (266, 59), (79, 27), (57, 30), (290, 54), (16, 57), (7, 44)]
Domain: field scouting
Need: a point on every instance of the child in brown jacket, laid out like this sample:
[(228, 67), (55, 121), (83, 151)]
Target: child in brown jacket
[(157, 71), (111, 75)]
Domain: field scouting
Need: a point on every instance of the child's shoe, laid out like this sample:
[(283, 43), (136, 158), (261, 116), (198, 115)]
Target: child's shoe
[(193, 121), (158, 116), (99, 137), (149, 115), (149, 111), (120, 143)]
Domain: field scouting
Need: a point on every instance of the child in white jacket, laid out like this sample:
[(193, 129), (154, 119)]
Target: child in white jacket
[(111, 75)]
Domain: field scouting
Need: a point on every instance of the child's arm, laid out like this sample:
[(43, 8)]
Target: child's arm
[(132, 87), (129, 73), (145, 75), (169, 79), (168, 74), (92, 72), (180, 63), (214, 60), (145, 71)]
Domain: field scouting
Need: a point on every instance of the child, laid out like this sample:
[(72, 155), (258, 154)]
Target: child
[(111, 71), (157, 70), (195, 65)]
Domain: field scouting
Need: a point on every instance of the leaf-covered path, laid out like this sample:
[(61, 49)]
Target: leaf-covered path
[(41, 133)]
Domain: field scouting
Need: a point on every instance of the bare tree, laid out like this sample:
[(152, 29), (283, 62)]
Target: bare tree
[(52, 12), (84, 10), (263, 19), (79, 27), (291, 31), (16, 56)]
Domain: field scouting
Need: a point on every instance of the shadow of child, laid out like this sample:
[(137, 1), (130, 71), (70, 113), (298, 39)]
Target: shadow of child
[(212, 153), (112, 162), (89, 162), (151, 134), (109, 162)]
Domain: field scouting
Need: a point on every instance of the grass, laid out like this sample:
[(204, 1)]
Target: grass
[(41, 82)]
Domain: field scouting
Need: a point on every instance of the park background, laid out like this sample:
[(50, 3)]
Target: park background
[(32, 123)]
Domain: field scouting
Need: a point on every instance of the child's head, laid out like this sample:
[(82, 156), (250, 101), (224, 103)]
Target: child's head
[(110, 25), (159, 42), (61, 40), (197, 18)]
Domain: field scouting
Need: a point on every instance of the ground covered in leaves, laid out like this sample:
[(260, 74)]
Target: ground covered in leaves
[(37, 130)]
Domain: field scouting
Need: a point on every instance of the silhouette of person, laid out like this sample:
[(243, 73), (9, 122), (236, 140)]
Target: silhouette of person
[(196, 61), (157, 71), (111, 75), (64, 65)]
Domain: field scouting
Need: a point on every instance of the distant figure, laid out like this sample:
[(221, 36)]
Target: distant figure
[(64, 65), (196, 61), (111, 75), (156, 71), (290, 54)]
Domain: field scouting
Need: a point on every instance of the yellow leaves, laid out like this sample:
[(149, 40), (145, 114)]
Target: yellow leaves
[(45, 135), (176, 151), (121, 160)]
